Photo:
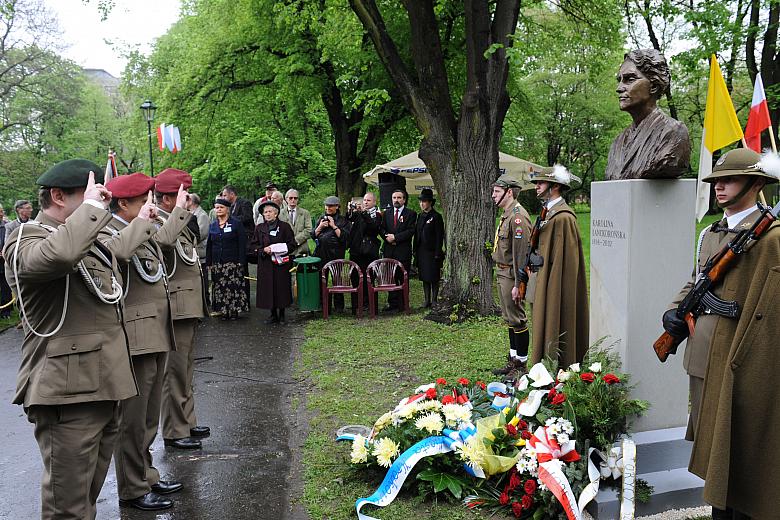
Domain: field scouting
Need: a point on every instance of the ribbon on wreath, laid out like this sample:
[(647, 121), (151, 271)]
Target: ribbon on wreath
[(551, 455), (619, 460)]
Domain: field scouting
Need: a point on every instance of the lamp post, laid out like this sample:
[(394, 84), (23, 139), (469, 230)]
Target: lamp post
[(148, 108)]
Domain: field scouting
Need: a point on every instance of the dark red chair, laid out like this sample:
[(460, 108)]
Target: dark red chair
[(382, 276), (340, 274)]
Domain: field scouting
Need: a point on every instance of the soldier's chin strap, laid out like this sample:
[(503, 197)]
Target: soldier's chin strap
[(501, 200), (543, 196), (746, 188)]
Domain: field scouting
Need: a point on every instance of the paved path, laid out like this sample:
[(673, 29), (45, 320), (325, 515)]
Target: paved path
[(248, 469)]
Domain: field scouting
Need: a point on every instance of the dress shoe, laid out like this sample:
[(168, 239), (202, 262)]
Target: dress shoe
[(148, 502), (166, 487), (186, 443), (271, 320), (200, 431)]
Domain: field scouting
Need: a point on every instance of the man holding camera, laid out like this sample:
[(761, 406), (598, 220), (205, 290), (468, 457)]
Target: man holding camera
[(332, 236), (364, 245)]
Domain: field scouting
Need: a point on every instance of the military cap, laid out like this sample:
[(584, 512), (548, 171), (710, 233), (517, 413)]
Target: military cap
[(744, 161), (332, 201), (558, 174), (73, 173), (507, 181), (130, 186), (169, 180), (427, 194), (268, 203)]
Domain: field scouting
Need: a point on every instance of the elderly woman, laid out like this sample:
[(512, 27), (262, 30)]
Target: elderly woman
[(225, 255), (273, 242)]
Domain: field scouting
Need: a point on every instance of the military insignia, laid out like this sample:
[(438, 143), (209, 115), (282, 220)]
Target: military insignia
[(429, 220), (148, 264), (98, 282), (518, 233), (518, 221), (721, 161)]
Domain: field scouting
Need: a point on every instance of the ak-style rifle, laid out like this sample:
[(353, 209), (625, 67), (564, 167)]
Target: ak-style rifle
[(533, 261), (700, 300)]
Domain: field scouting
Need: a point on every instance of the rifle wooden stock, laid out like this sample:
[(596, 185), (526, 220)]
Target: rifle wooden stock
[(665, 345), (521, 291)]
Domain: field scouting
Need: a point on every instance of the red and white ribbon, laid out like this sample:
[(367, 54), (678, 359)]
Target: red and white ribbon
[(551, 456)]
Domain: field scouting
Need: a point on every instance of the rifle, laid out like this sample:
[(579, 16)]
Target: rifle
[(533, 262), (700, 300)]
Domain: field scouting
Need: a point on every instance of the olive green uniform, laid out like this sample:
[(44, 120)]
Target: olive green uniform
[(69, 382)]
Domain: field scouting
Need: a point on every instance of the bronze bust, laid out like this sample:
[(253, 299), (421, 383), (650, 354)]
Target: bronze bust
[(655, 146)]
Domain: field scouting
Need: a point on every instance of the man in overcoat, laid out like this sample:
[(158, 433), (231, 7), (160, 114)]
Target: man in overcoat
[(75, 365), (560, 295), (734, 407), (398, 226)]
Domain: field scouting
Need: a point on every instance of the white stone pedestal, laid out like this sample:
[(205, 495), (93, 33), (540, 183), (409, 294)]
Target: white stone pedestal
[(641, 254)]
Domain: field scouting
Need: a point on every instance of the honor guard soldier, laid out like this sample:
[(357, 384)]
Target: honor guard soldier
[(732, 358), (560, 302), (75, 364), (149, 333), (510, 245), (188, 306)]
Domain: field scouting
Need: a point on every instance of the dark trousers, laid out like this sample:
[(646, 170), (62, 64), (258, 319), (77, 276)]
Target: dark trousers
[(362, 262), (206, 289), (5, 295), (395, 299)]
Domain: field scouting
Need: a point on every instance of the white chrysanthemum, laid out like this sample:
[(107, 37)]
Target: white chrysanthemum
[(385, 450), (456, 413), (575, 367), (383, 421), (563, 375), (431, 422), (595, 367), (566, 426), (429, 405), (471, 453), (408, 411), (359, 450)]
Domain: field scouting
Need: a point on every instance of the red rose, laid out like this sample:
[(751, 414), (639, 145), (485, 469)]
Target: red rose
[(463, 381), (522, 425), (441, 381), (551, 393), (463, 399), (430, 393), (517, 509), (530, 486), (528, 502), (558, 399), (611, 379), (511, 430), (447, 399), (481, 385), (503, 499), (525, 434), (588, 377), (514, 481)]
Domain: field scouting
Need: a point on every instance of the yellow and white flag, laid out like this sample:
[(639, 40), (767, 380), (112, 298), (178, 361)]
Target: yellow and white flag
[(721, 128)]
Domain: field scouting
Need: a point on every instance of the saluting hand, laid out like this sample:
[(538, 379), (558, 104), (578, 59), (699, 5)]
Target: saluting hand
[(148, 210), (182, 197), (97, 192)]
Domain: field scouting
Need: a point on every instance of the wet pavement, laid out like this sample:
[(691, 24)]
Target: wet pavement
[(249, 468)]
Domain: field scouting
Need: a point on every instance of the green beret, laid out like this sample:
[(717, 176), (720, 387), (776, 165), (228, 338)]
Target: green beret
[(73, 173)]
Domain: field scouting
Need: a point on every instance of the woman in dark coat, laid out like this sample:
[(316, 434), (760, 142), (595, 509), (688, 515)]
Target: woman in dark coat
[(429, 246), (225, 256), (274, 287)]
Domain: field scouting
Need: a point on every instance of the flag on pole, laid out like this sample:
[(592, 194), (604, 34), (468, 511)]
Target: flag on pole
[(162, 136), (721, 128), (110, 172), (758, 119)]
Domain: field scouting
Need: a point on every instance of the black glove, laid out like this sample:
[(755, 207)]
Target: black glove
[(522, 276), (674, 325)]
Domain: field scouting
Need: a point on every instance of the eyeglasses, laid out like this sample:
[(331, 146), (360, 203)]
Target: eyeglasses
[(292, 198)]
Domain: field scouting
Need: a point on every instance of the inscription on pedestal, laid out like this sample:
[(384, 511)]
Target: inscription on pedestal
[(604, 233)]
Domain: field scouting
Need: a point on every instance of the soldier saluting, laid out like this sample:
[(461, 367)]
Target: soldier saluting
[(510, 246), (75, 364)]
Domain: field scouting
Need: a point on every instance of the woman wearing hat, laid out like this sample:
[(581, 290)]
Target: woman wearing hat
[(429, 246), (225, 256), (273, 242)]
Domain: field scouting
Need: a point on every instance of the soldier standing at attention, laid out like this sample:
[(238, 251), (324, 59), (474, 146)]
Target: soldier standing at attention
[(510, 246), (150, 337), (75, 364), (560, 302), (732, 361), (188, 306)]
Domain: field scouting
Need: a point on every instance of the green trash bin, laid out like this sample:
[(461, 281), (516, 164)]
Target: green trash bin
[(307, 278)]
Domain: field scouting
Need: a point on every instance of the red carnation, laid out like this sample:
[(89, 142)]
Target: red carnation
[(463, 381), (528, 502), (514, 481), (481, 385), (530, 486), (611, 379), (525, 434), (551, 394), (503, 499), (558, 399), (463, 399), (588, 377), (522, 425), (447, 399), (441, 381), (517, 509), (430, 393), (511, 430)]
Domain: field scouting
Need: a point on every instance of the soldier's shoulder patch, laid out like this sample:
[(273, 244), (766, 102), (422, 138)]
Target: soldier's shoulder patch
[(517, 210), (519, 233), (518, 221)]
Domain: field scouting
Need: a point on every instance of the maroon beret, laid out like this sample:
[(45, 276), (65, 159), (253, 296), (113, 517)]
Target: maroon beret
[(169, 180), (130, 186)]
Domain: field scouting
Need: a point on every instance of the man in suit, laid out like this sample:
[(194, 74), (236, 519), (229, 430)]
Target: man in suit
[(75, 364), (149, 334), (398, 225), (299, 220), (23, 209), (241, 209), (364, 239), (188, 307)]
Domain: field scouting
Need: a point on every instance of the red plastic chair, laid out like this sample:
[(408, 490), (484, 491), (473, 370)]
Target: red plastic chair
[(381, 277), (340, 274)]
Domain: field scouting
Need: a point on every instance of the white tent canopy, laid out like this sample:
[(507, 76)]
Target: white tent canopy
[(417, 177)]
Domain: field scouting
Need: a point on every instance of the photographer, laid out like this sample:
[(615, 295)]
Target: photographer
[(332, 237), (364, 244)]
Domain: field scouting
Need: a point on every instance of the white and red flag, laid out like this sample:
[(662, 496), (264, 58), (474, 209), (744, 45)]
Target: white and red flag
[(111, 171), (758, 119)]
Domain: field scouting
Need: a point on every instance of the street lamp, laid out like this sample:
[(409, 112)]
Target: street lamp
[(148, 108)]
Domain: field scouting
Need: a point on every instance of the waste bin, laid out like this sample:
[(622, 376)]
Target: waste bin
[(307, 278)]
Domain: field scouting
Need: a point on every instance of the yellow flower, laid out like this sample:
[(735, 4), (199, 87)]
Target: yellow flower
[(431, 422), (471, 452), (359, 450), (385, 450), (455, 413), (383, 421)]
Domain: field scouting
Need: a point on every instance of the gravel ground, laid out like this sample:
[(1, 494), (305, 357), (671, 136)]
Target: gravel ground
[(674, 514)]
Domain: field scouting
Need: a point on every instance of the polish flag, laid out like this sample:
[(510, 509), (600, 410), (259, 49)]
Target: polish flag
[(758, 119)]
